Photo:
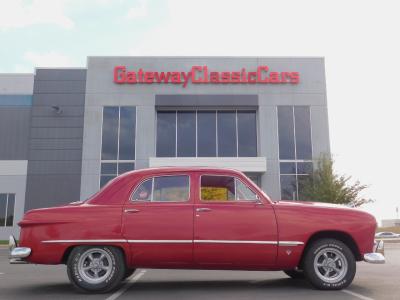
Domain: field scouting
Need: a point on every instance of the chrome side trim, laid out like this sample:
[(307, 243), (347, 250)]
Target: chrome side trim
[(235, 242), (280, 243), (162, 241), (84, 241), (290, 243)]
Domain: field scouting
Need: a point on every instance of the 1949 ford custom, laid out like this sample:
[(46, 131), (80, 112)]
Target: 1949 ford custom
[(195, 218)]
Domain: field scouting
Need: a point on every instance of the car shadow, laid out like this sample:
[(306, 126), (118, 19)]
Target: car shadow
[(192, 285), (65, 289)]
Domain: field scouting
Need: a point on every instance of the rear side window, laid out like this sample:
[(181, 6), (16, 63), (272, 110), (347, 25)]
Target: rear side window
[(224, 188), (163, 189)]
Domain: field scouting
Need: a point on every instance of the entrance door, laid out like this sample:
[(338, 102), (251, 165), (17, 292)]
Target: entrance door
[(158, 222), (233, 227)]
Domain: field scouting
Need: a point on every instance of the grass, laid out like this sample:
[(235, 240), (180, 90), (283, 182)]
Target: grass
[(395, 229), (3, 242)]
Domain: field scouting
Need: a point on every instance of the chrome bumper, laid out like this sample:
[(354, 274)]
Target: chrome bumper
[(17, 254), (376, 257)]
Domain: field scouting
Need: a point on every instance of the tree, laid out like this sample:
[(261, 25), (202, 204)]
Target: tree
[(324, 185)]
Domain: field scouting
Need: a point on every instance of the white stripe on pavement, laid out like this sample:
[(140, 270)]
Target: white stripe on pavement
[(126, 286), (359, 296)]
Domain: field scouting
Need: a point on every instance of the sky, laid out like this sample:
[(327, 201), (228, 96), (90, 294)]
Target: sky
[(359, 40)]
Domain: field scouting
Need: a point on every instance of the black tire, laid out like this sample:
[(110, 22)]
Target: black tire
[(128, 273), (329, 274), (295, 274), (107, 279)]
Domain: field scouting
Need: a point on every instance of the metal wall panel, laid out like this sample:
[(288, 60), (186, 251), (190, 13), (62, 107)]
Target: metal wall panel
[(14, 132), (61, 86), (55, 146), (61, 75)]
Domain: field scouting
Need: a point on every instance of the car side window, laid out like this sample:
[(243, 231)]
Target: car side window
[(224, 188), (163, 189), (144, 191), (243, 192)]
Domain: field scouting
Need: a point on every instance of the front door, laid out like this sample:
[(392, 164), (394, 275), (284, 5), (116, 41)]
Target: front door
[(158, 222), (233, 227)]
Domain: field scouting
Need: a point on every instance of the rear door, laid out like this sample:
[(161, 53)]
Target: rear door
[(158, 222), (233, 226)]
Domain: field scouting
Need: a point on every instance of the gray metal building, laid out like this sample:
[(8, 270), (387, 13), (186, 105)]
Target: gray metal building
[(65, 132)]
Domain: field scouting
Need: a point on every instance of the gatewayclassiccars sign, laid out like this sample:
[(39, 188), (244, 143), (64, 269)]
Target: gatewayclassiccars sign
[(201, 75)]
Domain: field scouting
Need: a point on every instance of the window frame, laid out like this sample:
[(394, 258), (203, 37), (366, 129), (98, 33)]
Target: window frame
[(132, 201), (258, 198), (176, 110), (295, 160), (6, 210), (116, 161)]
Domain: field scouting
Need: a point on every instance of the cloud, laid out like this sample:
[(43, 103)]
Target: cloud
[(20, 14), (50, 59), (361, 68), (140, 10)]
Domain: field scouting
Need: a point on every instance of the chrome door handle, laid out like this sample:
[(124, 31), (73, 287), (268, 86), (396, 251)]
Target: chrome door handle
[(131, 210), (203, 209)]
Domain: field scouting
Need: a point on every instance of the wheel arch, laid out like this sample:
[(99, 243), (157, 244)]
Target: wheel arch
[(68, 250), (344, 237)]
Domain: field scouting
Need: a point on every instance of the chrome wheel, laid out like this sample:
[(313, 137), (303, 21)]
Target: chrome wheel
[(330, 265), (95, 265)]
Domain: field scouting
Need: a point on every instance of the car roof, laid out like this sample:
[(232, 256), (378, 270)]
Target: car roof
[(183, 169)]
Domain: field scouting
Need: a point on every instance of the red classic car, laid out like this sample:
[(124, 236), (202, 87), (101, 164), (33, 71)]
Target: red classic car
[(195, 218)]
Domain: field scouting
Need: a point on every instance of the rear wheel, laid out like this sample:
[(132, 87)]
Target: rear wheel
[(96, 269), (295, 273), (329, 265)]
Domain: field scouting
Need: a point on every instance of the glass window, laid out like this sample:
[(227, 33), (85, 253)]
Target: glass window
[(166, 134), (206, 134), (104, 179), (247, 133), (186, 133), (143, 192), (286, 132), (294, 145), (7, 204), (215, 133), (110, 133), (288, 167), (3, 209), (288, 187), (303, 132), (243, 192), (125, 167), (127, 131), (109, 169), (171, 188), (227, 142), (304, 168), (10, 210), (302, 180), (118, 142), (217, 188), (256, 178)]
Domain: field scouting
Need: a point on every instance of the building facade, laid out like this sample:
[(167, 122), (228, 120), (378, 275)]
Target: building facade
[(64, 133)]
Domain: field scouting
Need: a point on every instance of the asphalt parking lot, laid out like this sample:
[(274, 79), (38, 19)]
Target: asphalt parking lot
[(51, 282)]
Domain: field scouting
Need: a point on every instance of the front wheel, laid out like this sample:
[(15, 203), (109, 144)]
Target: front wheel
[(329, 265), (96, 269)]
